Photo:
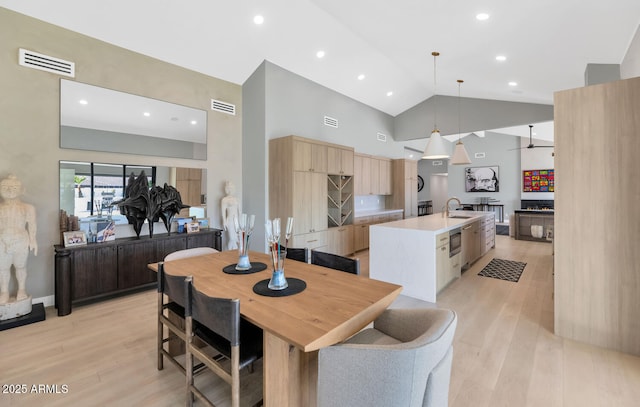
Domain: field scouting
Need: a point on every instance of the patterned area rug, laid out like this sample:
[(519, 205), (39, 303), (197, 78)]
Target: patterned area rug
[(503, 269)]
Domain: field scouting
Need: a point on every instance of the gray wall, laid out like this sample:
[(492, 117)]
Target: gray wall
[(630, 66), (497, 149), (477, 115), (30, 111), (255, 163)]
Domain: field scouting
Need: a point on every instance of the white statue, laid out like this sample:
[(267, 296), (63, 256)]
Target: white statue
[(230, 209), (17, 237)]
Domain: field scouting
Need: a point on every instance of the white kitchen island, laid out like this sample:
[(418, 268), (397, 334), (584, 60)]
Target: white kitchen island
[(404, 252)]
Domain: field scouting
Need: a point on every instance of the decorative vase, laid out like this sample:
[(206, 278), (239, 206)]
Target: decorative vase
[(278, 281), (244, 228)]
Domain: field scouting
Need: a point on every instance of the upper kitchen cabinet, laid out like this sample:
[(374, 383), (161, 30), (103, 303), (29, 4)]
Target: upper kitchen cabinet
[(372, 175), (309, 156), (339, 160), (405, 187)]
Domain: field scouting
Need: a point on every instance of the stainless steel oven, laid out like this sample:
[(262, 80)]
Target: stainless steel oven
[(455, 242)]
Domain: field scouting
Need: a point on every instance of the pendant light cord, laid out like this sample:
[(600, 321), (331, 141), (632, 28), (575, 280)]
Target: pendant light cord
[(459, 134), (435, 93)]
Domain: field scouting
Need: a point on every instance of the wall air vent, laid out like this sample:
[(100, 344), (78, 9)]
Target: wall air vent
[(331, 122), (223, 107), (381, 137), (43, 62)]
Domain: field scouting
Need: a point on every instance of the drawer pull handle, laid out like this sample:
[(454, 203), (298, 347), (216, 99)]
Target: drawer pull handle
[(311, 241), (466, 227)]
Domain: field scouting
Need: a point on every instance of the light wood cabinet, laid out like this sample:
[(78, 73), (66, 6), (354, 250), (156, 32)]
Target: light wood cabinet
[(385, 176), (308, 156), (310, 181), (340, 161), (360, 237), (341, 240), (189, 184), (372, 175), (362, 174), (405, 186), (309, 202)]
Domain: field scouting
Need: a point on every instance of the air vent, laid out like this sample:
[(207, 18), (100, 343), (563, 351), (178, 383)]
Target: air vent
[(331, 122), (43, 62), (382, 137), (223, 107)]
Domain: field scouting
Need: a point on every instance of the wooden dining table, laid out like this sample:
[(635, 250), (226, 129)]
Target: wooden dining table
[(333, 306)]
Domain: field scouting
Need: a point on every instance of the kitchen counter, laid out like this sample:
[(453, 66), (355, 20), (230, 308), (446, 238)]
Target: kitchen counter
[(436, 223), (375, 212), (404, 252)]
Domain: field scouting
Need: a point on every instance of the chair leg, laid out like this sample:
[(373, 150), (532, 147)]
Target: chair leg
[(189, 361), (160, 333)]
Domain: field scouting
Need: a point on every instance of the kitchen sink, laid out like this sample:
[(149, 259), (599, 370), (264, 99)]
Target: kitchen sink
[(460, 217)]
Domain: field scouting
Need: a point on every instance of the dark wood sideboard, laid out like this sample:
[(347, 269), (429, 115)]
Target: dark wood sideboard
[(97, 271)]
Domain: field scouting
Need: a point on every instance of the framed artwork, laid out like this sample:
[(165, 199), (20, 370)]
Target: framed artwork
[(482, 179), (106, 231), (203, 222), (193, 227), (75, 238), (538, 180)]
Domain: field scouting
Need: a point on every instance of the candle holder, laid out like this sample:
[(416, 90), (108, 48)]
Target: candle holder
[(278, 252), (244, 228)]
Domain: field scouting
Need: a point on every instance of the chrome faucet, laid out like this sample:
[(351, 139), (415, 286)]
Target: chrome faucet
[(446, 207)]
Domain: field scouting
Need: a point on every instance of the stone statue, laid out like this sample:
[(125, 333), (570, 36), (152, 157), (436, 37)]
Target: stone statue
[(230, 209), (17, 237)]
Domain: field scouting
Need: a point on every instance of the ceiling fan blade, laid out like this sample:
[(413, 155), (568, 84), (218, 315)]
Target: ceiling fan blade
[(543, 147)]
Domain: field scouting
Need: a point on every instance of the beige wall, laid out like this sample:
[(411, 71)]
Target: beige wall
[(29, 121)]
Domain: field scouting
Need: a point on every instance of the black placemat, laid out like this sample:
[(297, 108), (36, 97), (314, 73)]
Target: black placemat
[(295, 286), (255, 267)]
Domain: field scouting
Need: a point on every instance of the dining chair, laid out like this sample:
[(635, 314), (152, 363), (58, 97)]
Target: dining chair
[(172, 298), (171, 301), (196, 251), (217, 323), (298, 254), (335, 262), (404, 360)]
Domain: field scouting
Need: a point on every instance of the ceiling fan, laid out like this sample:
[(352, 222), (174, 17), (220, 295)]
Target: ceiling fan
[(531, 145)]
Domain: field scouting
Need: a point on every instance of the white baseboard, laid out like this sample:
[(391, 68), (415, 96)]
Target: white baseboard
[(47, 301)]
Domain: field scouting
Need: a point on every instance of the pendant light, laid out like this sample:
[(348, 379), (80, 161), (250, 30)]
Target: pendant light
[(435, 147), (460, 155)]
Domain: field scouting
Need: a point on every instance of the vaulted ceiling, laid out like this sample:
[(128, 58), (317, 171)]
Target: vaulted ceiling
[(547, 43)]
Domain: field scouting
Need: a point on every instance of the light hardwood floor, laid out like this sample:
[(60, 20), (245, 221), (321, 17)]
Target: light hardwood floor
[(505, 353)]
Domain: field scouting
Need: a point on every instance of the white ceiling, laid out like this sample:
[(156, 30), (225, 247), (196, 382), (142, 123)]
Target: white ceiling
[(548, 43)]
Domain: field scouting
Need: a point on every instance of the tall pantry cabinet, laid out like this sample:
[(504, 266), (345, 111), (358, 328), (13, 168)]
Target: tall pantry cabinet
[(311, 181), (404, 187)]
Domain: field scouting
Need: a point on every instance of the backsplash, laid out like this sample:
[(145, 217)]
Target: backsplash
[(369, 203)]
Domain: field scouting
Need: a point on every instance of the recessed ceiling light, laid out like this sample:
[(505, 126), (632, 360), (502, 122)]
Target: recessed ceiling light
[(194, 122), (83, 102), (482, 16), (258, 20), (389, 93), (146, 114), (501, 58), (361, 77), (320, 54), (513, 83)]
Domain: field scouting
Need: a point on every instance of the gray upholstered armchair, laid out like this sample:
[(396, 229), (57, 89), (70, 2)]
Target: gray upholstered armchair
[(404, 360)]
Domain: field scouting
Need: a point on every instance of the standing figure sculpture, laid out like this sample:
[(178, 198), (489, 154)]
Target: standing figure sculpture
[(230, 209), (17, 237)]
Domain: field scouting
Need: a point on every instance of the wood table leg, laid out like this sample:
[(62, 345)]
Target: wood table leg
[(290, 375)]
